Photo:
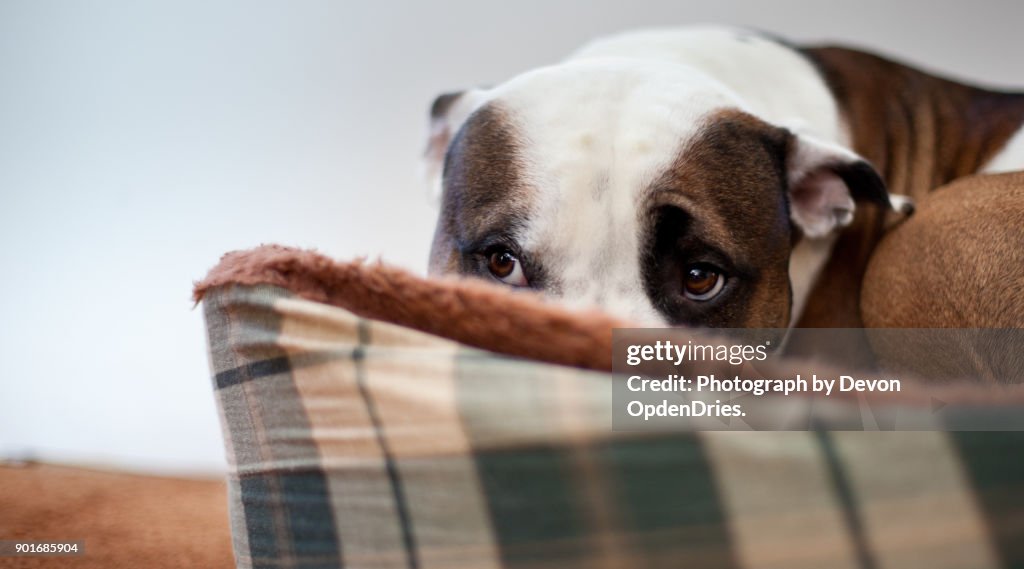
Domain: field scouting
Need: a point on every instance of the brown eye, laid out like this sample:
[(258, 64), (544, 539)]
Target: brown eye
[(501, 264), (702, 282), (506, 267)]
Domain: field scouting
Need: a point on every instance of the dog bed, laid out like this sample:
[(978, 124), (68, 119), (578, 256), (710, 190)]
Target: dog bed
[(373, 418)]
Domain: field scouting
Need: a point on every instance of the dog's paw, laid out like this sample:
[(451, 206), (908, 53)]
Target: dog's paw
[(901, 204)]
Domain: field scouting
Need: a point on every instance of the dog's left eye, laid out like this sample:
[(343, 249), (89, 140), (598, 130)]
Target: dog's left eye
[(702, 281), (506, 268)]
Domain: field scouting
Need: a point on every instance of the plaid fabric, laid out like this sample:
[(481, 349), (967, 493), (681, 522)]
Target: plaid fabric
[(355, 443)]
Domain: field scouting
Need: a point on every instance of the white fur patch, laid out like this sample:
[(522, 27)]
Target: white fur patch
[(805, 264), (902, 204), (1010, 158), (776, 83)]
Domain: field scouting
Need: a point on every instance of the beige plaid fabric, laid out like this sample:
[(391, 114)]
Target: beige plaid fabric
[(356, 443)]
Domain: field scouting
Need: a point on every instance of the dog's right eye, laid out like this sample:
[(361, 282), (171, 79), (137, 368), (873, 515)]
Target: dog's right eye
[(505, 267), (702, 281)]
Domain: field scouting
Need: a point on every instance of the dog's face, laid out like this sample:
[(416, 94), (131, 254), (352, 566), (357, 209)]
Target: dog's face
[(641, 188)]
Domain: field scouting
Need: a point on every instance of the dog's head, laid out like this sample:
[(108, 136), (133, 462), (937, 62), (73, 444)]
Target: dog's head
[(640, 187)]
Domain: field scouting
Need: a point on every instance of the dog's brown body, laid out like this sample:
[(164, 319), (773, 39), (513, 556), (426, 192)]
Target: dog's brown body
[(920, 132), (957, 263)]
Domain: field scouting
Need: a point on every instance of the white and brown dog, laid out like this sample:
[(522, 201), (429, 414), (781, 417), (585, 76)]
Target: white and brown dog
[(703, 176)]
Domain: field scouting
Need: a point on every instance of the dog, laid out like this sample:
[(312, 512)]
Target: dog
[(958, 263), (704, 176)]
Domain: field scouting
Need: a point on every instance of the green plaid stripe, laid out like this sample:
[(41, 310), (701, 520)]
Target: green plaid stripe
[(994, 463), (355, 443), (277, 479), (542, 494)]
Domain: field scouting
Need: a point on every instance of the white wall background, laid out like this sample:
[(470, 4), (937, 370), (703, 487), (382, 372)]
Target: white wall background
[(140, 140)]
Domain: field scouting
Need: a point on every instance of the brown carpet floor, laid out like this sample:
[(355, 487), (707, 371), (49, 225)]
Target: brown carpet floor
[(125, 520)]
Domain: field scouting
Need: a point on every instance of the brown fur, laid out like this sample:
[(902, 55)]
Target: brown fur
[(736, 165), (957, 263), (484, 188), (920, 132)]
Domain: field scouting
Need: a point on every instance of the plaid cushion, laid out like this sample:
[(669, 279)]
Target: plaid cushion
[(355, 443)]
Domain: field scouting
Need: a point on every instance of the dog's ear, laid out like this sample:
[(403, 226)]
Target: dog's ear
[(447, 114), (825, 181)]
